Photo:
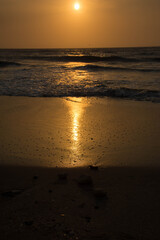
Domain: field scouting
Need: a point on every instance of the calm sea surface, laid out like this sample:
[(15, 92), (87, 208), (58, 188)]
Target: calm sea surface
[(132, 73)]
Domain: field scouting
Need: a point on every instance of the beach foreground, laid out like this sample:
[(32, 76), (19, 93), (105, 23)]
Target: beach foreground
[(117, 203), (50, 185)]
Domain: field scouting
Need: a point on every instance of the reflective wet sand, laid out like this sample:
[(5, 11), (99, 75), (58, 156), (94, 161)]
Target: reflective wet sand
[(46, 145), (73, 132)]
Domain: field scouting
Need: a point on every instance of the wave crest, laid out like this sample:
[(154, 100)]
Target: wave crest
[(91, 67), (87, 59), (98, 91), (8, 63)]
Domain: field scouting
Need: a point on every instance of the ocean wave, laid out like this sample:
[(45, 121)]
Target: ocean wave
[(156, 59), (90, 67), (8, 63), (122, 93), (87, 59), (91, 59), (135, 94)]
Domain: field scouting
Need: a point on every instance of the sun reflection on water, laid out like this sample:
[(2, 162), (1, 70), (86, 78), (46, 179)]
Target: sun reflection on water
[(76, 109), (76, 112), (75, 126)]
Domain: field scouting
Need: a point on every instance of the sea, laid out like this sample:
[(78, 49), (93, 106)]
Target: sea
[(128, 73)]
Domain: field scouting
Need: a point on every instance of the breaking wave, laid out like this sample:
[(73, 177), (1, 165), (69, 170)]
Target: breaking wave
[(87, 59), (131, 73), (98, 91), (7, 64), (90, 59), (90, 67)]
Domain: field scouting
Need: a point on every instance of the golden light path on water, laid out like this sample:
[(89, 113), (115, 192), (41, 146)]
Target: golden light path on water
[(75, 126), (76, 109)]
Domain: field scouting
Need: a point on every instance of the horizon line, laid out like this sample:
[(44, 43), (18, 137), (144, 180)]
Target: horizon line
[(27, 48)]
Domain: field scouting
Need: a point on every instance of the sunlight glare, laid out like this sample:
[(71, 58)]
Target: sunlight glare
[(75, 126), (76, 6)]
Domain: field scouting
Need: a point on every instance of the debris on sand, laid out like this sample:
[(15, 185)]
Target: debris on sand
[(12, 193), (62, 176), (28, 223), (35, 177), (88, 219), (92, 167), (100, 194), (85, 180), (82, 205)]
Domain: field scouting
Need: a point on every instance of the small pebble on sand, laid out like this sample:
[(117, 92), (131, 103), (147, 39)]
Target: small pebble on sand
[(62, 176), (92, 167), (85, 180), (100, 194)]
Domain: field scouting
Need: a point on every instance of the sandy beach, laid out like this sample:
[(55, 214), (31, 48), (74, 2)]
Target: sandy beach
[(77, 132), (79, 168), (79, 120)]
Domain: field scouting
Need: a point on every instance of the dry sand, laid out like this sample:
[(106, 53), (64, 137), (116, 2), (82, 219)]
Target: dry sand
[(47, 190), (119, 203)]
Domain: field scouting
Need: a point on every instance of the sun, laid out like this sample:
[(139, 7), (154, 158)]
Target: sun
[(76, 6)]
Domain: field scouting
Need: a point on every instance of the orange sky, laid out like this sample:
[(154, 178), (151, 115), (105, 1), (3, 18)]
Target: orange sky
[(98, 23)]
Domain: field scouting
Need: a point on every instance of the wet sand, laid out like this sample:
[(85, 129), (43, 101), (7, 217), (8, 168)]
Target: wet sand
[(76, 132), (48, 190)]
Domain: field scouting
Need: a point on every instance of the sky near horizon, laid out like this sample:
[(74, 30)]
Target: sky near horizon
[(98, 23)]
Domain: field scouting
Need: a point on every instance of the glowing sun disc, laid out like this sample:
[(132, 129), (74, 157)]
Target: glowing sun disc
[(76, 6)]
